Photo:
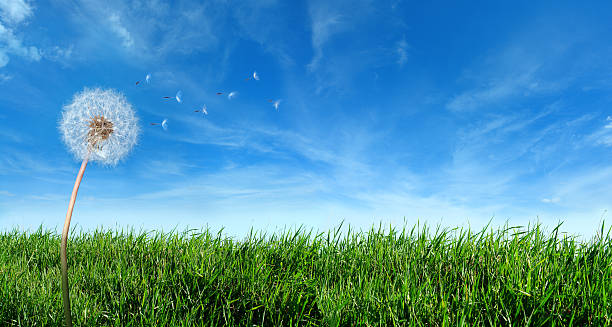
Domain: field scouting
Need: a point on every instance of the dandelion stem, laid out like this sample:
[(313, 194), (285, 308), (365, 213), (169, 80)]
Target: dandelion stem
[(64, 243)]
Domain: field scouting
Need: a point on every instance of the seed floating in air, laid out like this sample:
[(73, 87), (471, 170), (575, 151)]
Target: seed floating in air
[(164, 124), (232, 95), (203, 110), (276, 103), (178, 97)]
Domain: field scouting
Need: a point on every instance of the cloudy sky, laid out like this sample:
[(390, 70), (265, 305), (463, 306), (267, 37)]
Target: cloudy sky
[(390, 112)]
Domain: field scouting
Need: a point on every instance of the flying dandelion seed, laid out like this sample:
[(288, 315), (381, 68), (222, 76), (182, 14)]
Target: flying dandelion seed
[(203, 110), (178, 97), (163, 124), (276, 103), (98, 125), (255, 76), (232, 95), (147, 78)]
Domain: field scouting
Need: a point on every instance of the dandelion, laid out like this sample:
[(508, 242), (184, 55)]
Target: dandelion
[(255, 76), (232, 95), (98, 125)]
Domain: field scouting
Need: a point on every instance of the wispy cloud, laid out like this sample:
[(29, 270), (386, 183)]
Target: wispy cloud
[(21, 161), (525, 67), (10, 44), (58, 54), (5, 77), (120, 30), (326, 21), (15, 11), (402, 52), (336, 68), (12, 13), (149, 30)]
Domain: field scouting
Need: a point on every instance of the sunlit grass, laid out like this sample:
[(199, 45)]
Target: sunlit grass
[(512, 276)]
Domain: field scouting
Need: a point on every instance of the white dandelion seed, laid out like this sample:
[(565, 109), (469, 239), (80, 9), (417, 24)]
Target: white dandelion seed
[(99, 125), (276, 103), (232, 95), (203, 110), (148, 78), (179, 96), (255, 76), (163, 124)]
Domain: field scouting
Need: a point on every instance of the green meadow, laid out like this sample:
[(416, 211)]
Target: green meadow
[(512, 276)]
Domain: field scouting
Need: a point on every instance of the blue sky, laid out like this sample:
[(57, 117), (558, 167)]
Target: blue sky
[(391, 112)]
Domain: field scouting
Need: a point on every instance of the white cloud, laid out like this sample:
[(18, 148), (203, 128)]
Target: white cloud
[(4, 77), (151, 30), (552, 200), (402, 52), (345, 46), (601, 136), (324, 25), (6, 193), (57, 53), (526, 66), (14, 11), (120, 30), (496, 90)]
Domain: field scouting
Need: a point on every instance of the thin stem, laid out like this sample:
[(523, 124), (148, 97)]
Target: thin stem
[(64, 243)]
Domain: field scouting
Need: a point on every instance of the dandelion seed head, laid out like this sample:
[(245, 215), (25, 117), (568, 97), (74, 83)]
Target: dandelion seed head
[(164, 124), (179, 96), (100, 124), (232, 95), (148, 78)]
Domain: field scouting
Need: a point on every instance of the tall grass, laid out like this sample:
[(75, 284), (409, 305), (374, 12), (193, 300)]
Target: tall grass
[(511, 277)]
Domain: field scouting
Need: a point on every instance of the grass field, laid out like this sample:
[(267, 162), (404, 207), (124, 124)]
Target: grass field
[(417, 277)]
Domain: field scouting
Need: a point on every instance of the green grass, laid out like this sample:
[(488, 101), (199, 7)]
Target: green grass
[(509, 277)]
